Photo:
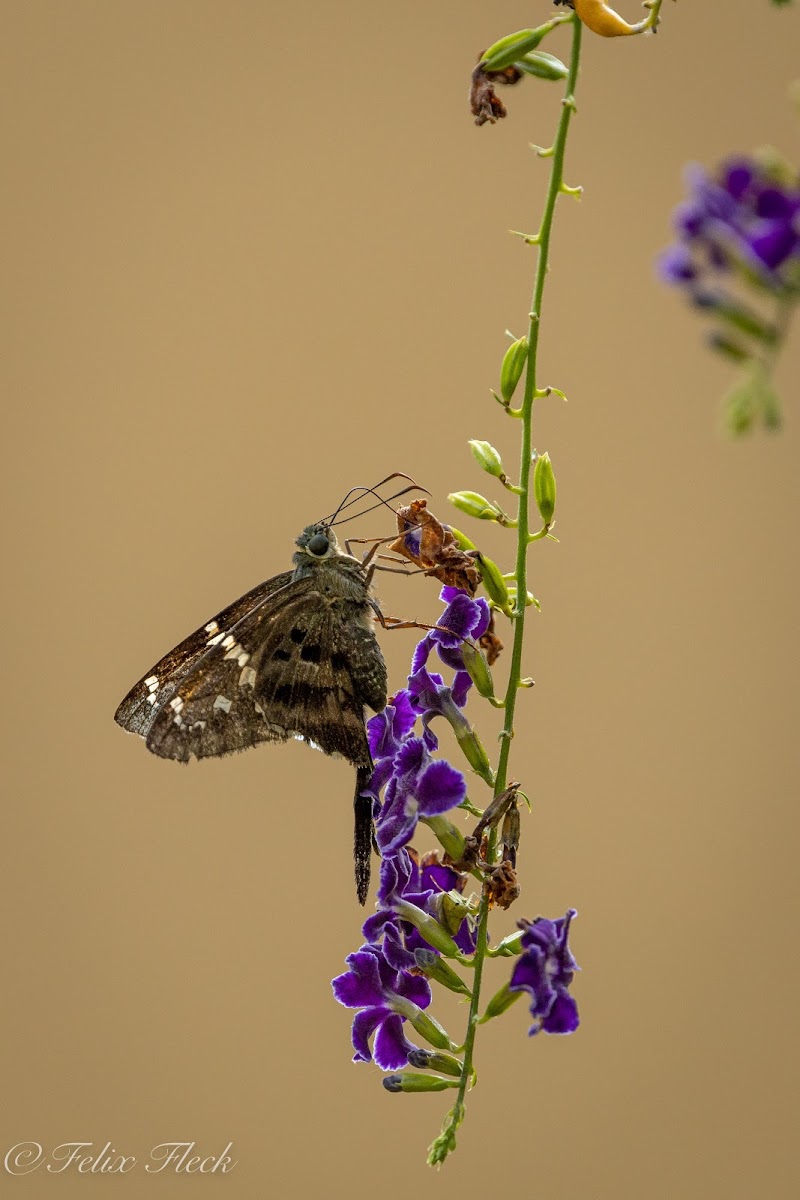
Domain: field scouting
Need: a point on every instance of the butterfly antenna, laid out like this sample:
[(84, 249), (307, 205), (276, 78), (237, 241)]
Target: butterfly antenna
[(372, 507), (347, 502), (364, 491)]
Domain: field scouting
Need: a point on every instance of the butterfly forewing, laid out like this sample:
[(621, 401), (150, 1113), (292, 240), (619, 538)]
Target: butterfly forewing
[(295, 657), (136, 712)]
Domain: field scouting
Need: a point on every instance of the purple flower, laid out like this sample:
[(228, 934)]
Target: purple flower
[(387, 731), (745, 217), (386, 998), (462, 618), (405, 880), (420, 786), (677, 265), (545, 970)]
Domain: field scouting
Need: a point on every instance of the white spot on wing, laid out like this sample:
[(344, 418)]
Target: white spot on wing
[(224, 703), (212, 641), (212, 627), (247, 677), (236, 652), (176, 703)]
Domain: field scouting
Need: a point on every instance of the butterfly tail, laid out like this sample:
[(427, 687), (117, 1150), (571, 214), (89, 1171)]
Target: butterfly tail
[(362, 836)]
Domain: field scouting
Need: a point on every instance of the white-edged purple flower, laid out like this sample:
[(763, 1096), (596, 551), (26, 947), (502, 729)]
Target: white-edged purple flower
[(420, 786), (545, 970), (462, 618), (386, 998), (408, 883)]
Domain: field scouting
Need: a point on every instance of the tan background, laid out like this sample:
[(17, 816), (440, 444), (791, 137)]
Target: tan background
[(258, 254)]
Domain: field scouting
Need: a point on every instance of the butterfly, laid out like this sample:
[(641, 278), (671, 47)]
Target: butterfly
[(295, 657)]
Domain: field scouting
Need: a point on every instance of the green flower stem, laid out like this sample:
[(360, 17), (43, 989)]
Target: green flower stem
[(523, 516), (447, 1139)]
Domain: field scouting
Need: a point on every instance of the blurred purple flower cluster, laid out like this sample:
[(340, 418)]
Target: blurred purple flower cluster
[(746, 217), (737, 258)]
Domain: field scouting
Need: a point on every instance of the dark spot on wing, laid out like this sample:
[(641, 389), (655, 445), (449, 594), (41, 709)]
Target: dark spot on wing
[(297, 635), (282, 655), (311, 653), (338, 661)]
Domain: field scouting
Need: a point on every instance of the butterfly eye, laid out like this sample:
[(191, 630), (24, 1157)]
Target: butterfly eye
[(318, 544)]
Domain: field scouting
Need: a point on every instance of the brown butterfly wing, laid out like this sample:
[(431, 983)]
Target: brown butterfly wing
[(137, 711)]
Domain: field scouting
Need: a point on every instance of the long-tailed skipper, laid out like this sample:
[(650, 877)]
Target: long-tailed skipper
[(296, 657)]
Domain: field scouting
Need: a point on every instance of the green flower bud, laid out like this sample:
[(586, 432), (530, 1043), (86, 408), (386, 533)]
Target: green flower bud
[(500, 1002), (474, 752), (496, 588), (434, 933), (479, 670), (506, 52), (432, 1060), (542, 65), (462, 541), (411, 1081), (451, 838), (475, 505), (487, 458), (509, 947), (727, 346), (544, 488), (739, 316), (430, 1029), (513, 365), (435, 967)]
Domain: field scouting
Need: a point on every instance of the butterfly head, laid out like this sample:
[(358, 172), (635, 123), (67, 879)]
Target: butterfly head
[(316, 542)]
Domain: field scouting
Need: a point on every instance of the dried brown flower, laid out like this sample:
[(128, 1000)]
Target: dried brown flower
[(429, 544), (483, 100)]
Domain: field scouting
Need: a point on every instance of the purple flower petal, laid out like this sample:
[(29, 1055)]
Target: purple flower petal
[(364, 1025), (395, 950), (676, 265), (374, 926), (483, 620), (388, 729), (529, 975), (689, 220), (461, 686), (737, 177), (361, 985), (410, 758), (458, 620), (414, 988), (396, 826), (391, 1048), (421, 653), (775, 205), (440, 788), (449, 593), (563, 1016), (774, 243)]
